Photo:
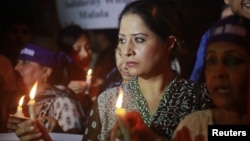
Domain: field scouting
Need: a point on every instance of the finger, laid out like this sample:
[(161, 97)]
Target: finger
[(45, 135), (25, 128)]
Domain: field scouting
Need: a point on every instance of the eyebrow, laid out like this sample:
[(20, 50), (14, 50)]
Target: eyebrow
[(136, 34)]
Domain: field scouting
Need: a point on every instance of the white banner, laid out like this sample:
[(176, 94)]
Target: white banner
[(90, 14)]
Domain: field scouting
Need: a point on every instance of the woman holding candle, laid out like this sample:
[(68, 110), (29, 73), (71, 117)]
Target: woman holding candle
[(54, 105), (148, 37), (75, 41), (226, 59)]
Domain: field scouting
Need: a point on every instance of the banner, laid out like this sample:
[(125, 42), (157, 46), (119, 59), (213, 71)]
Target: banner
[(90, 14)]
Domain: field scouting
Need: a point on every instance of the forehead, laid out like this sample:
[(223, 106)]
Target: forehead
[(132, 23), (224, 47)]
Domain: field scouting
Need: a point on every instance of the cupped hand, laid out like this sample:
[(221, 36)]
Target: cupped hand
[(133, 127), (13, 121), (32, 130)]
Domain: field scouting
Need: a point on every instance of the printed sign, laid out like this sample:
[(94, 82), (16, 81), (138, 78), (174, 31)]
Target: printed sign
[(90, 14)]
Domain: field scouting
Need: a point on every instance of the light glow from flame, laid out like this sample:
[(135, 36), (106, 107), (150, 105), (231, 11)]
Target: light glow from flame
[(21, 101), (89, 72), (33, 90), (119, 100)]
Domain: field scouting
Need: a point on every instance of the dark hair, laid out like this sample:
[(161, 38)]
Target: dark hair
[(160, 16), (69, 35)]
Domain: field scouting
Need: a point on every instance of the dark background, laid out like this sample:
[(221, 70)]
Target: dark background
[(197, 16)]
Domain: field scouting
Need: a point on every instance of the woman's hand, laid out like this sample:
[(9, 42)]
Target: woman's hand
[(131, 127), (13, 121), (32, 130), (78, 86)]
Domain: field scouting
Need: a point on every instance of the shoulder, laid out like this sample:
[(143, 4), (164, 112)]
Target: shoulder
[(59, 91), (184, 85)]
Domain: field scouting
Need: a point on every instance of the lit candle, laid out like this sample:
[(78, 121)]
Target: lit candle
[(19, 112), (88, 80), (119, 110), (89, 76), (32, 102)]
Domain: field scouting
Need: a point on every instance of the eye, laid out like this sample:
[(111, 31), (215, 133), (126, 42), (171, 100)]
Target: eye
[(233, 61), (121, 41), (139, 40), (210, 61)]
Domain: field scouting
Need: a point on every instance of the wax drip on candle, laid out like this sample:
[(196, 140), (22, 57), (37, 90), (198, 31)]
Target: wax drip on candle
[(32, 102), (19, 112)]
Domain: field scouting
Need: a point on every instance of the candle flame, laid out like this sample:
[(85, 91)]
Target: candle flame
[(89, 72), (21, 101), (119, 99), (33, 91)]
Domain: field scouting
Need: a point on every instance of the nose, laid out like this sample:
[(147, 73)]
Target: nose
[(18, 66), (83, 53), (128, 49), (220, 71)]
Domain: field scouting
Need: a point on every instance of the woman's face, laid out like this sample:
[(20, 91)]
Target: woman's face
[(31, 72), (142, 51), (82, 52), (121, 66), (226, 72)]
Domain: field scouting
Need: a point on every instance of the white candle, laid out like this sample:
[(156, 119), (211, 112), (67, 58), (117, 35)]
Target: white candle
[(88, 80), (19, 112), (89, 77), (119, 110), (32, 102)]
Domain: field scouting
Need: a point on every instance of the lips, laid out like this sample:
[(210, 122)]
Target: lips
[(222, 90), (131, 64)]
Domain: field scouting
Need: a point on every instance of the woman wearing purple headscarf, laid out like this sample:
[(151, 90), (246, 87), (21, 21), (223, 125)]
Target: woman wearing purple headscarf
[(56, 107)]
